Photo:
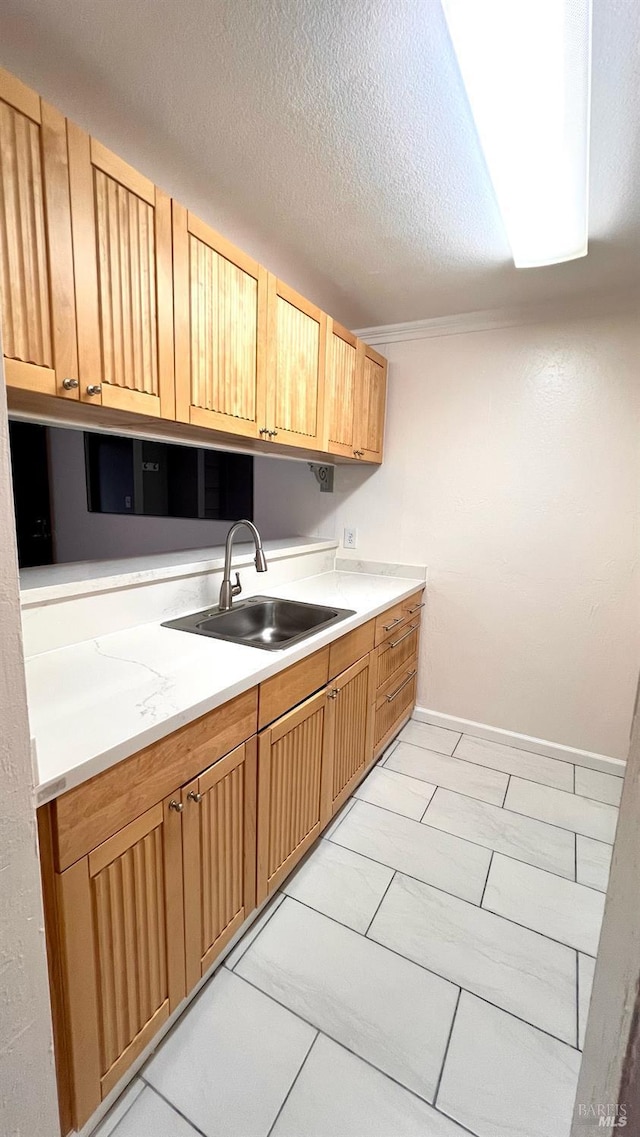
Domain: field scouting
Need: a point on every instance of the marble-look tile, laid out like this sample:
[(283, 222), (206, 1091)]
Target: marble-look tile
[(602, 787), (341, 884), (430, 737), (121, 1106), (503, 1077), (558, 908), (452, 773), (513, 967), (586, 968), (388, 1010), (150, 1114), (570, 811), (230, 1038), (523, 763), (255, 929), (524, 838), (339, 1094), (438, 858), (397, 792), (339, 817), (593, 862)]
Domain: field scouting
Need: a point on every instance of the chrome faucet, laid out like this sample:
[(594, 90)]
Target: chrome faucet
[(227, 589)]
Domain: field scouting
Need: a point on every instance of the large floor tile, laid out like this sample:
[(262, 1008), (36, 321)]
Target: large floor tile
[(433, 856), (341, 884), (119, 1108), (546, 903), (452, 773), (521, 837), (602, 787), (503, 1078), (571, 811), (523, 763), (231, 1059), (386, 1009), (396, 792), (432, 737), (586, 969), (508, 965), (148, 1115), (339, 1095), (593, 862), (255, 929)]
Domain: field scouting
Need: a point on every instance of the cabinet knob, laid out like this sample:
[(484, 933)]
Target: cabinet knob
[(194, 796), (177, 805), (263, 430), (358, 453), (333, 693), (70, 384), (273, 433), (94, 389)]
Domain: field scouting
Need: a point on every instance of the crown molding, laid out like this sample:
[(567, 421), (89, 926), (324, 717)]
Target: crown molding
[(491, 319)]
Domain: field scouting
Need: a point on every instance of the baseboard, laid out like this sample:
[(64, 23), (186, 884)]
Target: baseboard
[(600, 762)]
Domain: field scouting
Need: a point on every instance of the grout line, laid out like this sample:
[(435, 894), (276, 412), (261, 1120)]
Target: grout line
[(575, 857), (446, 1049), (395, 812), (457, 745), (378, 906), (175, 1109), (273, 905), (577, 999), (422, 819), (286, 1096), (574, 777), (100, 1129), (486, 881), (506, 791)]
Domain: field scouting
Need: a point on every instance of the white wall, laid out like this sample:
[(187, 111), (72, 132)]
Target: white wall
[(27, 1085), (512, 468), (83, 536)]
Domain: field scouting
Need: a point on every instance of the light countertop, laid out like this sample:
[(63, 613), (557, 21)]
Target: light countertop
[(94, 703)]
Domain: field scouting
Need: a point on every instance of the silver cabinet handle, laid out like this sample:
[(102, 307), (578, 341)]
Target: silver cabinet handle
[(177, 805), (194, 796), (393, 624), (70, 384), (416, 608), (409, 631), (94, 389), (410, 676)]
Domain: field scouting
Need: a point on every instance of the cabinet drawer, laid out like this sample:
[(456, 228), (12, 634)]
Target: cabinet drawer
[(389, 622), (350, 648), (394, 654), (394, 706), (285, 690)]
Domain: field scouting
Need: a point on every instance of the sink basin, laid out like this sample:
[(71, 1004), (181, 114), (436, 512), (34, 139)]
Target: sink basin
[(262, 621)]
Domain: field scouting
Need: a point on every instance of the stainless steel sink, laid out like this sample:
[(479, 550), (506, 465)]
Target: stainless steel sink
[(262, 621)]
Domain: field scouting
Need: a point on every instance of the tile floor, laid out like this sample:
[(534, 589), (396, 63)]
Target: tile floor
[(426, 971)]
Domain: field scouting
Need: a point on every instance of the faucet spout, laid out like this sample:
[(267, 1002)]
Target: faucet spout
[(227, 589)]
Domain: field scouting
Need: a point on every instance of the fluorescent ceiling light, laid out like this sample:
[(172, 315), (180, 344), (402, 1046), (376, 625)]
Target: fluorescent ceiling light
[(526, 67)]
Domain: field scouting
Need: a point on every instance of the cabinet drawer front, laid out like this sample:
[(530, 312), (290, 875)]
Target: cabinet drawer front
[(395, 706), (388, 623), (350, 648), (393, 654), (88, 814), (290, 687)]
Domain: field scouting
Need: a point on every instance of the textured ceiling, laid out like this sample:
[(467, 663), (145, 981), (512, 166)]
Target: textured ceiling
[(338, 130)]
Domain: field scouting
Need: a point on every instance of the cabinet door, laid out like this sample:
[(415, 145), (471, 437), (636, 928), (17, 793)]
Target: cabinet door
[(36, 267), (123, 268), (122, 931), (344, 374), (220, 297), (219, 832), (296, 364), (370, 412), (293, 762), (350, 724)]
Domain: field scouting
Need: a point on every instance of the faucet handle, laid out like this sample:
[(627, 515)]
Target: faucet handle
[(236, 588)]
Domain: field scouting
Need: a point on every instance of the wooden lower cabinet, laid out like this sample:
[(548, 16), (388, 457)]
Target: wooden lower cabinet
[(120, 915), (219, 849), (350, 730), (394, 707)]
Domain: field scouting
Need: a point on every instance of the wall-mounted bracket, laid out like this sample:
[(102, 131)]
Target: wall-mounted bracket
[(323, 476)]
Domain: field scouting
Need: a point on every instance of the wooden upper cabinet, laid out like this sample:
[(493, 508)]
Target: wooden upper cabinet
[(370, 408), (36, 266), (123, 271), (295, 368), (344, 370), (219, 834), (220, 330)]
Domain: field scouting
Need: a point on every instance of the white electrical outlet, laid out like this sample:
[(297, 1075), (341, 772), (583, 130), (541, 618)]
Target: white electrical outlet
[(350, 539)]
